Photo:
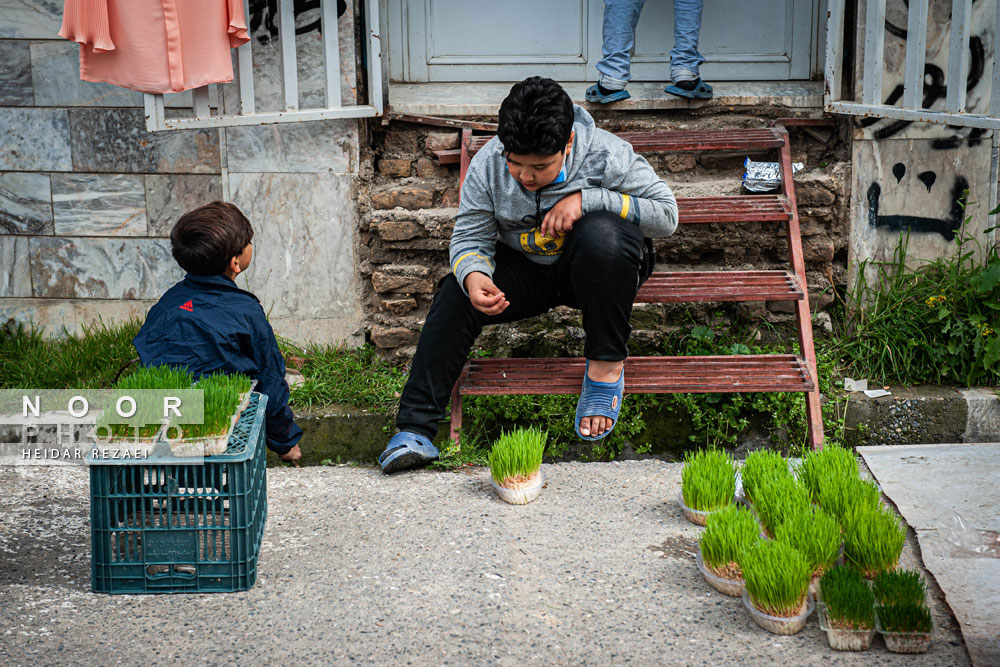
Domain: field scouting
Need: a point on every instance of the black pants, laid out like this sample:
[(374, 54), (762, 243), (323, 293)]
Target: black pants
[(604, 261)]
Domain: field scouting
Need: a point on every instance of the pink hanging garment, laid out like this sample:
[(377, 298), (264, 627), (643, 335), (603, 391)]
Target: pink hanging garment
[(155, 46)]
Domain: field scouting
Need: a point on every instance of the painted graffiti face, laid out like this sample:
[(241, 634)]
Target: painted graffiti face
[(947, 226)]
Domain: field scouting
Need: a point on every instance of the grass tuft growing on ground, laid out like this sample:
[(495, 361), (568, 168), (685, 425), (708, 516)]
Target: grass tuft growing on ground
[(938, 323), (338, 374), (88, 360)]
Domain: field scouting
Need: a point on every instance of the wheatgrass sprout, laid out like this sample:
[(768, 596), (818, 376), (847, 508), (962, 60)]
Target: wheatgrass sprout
[(814, 533), (905, 617), (831, 461), (152, 377), (729, 532), (221, 399), (776, 577), (780, 497), (708, 481), (873, 539), (759, 466), (850, 603), (842, 496), (517, 455), (898, 586)]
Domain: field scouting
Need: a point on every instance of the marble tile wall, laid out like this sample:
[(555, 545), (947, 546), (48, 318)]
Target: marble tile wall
[(88, 196), (25, 203), (15, 74), (34, 139), (30, 19), (55, 70), (55, 67), (328, 145), (303, 268), (72, 313), (117, 140), (99, 204), (169, 196), (14, 280), (101, 268)]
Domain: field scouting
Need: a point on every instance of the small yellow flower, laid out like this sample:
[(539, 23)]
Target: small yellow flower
[(936, 300)]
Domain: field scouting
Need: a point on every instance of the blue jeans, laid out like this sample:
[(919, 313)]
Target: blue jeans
[(620, 19)]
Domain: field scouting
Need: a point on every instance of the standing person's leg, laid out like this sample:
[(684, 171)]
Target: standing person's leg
[(448, 334), (602, 266), (620, 19), (685, 59)]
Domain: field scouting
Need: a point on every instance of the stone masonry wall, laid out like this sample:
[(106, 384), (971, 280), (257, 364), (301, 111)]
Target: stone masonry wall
[(413, 203)]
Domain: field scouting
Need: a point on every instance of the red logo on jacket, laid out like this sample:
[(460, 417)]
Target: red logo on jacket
[(188, 307)]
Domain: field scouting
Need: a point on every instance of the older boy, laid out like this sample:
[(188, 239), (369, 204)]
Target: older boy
[(553, 211), (208, 324)]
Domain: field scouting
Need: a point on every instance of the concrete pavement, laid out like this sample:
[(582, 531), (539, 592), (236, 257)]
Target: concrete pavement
[(418, 568)]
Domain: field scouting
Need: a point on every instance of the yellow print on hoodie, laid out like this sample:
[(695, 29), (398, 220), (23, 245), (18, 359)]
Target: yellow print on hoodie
[(535, 243)]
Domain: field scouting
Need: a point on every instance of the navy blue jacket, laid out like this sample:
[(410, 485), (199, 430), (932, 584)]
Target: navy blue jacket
[(208, 324)]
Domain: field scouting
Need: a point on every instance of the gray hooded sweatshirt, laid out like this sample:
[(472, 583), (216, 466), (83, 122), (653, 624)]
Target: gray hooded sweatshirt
[(604, 168)]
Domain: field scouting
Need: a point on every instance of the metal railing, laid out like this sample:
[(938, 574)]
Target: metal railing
[(909, 106), (290, 112)]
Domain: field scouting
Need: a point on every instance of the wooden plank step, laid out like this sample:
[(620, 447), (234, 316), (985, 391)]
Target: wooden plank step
[(643, 375), (704, 140), (691, 286), (744, 208), (656, 141)]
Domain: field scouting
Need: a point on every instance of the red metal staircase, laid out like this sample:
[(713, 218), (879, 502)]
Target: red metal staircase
[(714, 374)]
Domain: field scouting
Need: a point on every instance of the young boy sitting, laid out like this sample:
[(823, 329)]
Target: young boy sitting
[(208, 324), (553, 211)]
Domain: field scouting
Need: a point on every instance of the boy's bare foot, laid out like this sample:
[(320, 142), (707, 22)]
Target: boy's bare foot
[(600, 371), (292, 455)]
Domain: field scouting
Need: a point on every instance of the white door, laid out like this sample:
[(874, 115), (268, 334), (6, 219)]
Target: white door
[(507, 40)]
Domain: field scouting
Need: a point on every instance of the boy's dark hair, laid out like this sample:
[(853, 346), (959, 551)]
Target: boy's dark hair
[(536, 118), (205, 239)]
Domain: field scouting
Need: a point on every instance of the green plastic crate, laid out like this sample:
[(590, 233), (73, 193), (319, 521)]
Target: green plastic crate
[(182, 528)]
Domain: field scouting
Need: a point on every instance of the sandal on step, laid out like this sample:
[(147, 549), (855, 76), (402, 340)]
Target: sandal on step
[(594, 94), (701, 90), (407, 450), (599, 399)]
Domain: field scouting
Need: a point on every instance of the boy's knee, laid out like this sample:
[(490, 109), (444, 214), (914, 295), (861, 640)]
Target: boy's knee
[(604, 239)]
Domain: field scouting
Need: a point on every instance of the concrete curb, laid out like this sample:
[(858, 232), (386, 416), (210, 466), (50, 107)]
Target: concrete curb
[(923, 415)]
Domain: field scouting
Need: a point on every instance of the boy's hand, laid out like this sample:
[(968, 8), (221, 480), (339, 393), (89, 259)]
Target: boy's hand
[(484, 295), (292, 455), (561, 217)]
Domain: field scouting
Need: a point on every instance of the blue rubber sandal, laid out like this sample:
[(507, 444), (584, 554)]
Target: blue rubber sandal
[(599, 399), (407, 450), (594, 94), (701, 91)]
